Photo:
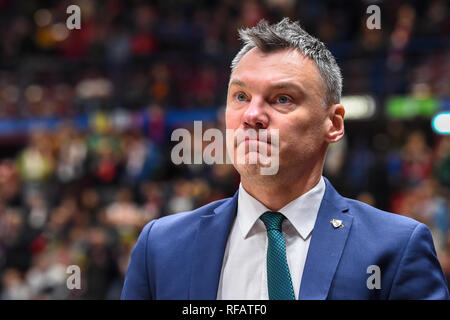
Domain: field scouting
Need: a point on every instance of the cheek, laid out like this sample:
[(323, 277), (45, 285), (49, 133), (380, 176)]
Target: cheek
[(232, 118), (310, 123), (302, 134)]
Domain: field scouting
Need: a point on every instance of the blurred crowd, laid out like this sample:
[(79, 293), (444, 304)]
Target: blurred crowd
[(177, 53), (71, 196)]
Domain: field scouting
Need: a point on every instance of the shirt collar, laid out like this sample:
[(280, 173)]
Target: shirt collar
[(301, 212)]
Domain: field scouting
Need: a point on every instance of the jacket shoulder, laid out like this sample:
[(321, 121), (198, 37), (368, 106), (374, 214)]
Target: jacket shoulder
[(380, 218)]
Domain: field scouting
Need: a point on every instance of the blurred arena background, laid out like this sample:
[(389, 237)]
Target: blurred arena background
[(86, 117)]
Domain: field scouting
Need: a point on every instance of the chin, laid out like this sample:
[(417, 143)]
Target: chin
[(254, 171)]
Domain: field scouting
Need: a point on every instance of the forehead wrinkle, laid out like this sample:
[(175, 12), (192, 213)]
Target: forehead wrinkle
[(290, 61), (296, 67)]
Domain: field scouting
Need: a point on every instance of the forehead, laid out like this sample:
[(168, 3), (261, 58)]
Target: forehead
[(261, 67)]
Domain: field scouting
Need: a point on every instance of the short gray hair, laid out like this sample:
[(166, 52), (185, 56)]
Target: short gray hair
[(287, 34)]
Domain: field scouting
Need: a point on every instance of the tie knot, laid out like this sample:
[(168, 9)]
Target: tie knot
[(272, 220)]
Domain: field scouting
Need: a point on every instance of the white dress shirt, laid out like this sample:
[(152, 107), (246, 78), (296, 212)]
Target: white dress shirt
[(244, 267)]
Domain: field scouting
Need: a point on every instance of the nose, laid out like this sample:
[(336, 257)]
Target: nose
[(255, 116)]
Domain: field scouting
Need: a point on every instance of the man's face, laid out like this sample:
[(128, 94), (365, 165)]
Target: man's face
[(280, 90)]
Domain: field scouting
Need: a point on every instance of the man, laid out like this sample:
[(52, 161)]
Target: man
[(288, 235)]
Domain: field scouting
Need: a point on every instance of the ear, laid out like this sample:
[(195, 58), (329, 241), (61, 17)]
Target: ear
[(335, 127)]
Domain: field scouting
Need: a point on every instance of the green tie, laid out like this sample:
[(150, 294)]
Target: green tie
[(278, 276)]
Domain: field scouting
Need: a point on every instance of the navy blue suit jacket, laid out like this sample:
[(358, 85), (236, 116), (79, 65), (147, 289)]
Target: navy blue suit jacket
[(180, 256)]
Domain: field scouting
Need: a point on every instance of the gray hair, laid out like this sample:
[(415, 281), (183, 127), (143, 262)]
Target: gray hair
[(287, 34)]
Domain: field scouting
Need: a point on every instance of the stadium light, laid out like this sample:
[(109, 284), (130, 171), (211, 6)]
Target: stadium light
[(401, 107), (441, 123), (358, 107)]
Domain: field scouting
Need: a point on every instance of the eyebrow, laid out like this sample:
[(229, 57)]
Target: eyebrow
[(282, 85), (287, 85), (237, 83)]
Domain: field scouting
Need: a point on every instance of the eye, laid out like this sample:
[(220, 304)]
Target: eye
[(241, 97), (283, 99)]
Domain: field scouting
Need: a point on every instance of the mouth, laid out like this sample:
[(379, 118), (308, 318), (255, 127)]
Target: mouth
[(249, 141), (253, 138)]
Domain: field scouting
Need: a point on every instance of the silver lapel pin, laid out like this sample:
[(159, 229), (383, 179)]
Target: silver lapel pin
[(337, 223)]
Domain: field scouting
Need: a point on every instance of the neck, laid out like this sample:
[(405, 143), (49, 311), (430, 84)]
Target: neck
[(279, 192)]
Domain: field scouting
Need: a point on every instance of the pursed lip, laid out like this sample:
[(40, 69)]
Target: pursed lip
[(248, 142), (257, 139)]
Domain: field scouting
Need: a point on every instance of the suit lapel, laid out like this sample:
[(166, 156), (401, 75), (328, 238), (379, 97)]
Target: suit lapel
[(326, 247), (209, 249)]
